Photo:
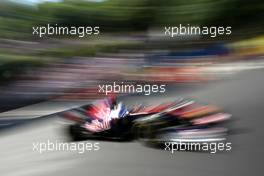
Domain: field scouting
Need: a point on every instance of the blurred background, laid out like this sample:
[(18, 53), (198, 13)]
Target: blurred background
[(43, 76), (131, 46)]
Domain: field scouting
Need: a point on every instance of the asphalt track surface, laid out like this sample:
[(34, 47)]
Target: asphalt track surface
[(242, 96)]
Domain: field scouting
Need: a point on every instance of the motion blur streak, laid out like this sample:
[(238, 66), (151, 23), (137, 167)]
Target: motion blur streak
[(43, 78)]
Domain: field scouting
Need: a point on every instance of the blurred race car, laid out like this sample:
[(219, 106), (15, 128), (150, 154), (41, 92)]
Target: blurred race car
[(183, 119)]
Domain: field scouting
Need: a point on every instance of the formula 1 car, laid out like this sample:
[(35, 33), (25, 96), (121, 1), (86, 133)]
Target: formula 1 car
[(182, 119)]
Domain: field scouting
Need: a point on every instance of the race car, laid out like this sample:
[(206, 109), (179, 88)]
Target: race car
[(182, 119), (104, 119)]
